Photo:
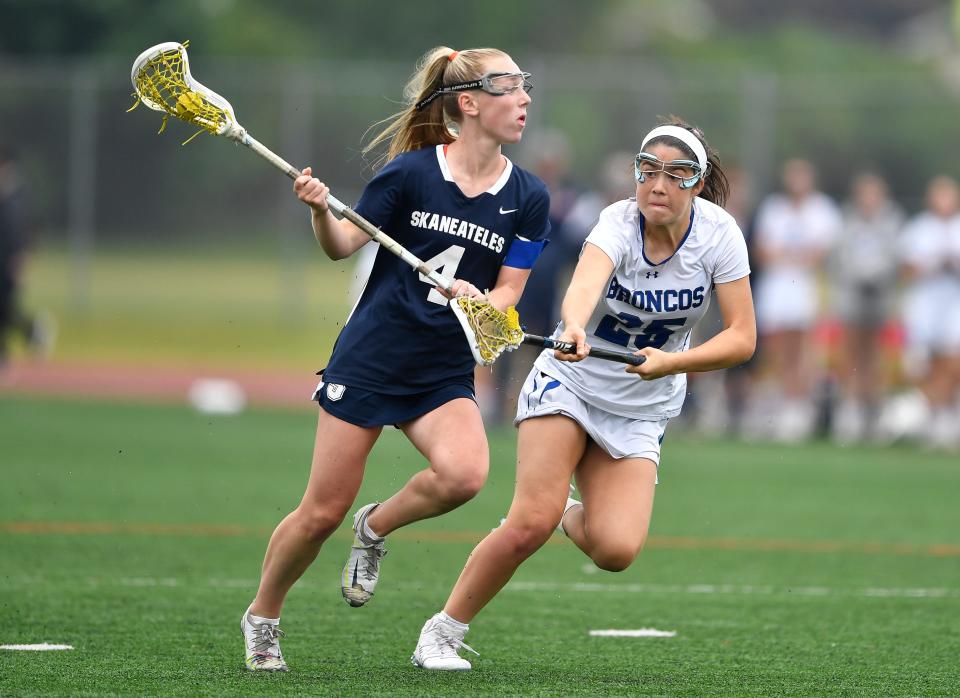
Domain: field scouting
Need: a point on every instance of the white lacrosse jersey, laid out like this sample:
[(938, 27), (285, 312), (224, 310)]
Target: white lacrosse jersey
[(931, 301), (650, 305), (786, 292)]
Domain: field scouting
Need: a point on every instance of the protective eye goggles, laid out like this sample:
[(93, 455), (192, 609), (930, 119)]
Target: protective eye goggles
[(647, 165), (496, 84)]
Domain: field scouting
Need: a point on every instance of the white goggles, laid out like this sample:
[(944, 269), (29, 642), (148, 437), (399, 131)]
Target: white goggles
[(496, 84), (685, 172)]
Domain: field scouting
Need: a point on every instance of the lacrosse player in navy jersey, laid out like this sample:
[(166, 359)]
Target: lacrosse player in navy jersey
[(646, 273), (455, 201)]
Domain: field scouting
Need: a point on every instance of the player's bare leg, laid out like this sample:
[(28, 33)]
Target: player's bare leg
[(453, 440), (787, 356), (617, 496), (340, 452), (335, 475), (939, 386), (548, 449)]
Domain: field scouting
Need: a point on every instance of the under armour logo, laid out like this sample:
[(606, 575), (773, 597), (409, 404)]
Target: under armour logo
[(509, 210), (653, 274)]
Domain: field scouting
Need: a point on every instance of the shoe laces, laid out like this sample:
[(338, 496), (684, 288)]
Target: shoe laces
[(370, 560), (448, 643), (266, 639)]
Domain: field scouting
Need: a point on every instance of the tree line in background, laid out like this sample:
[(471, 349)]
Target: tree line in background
[(349, 28)]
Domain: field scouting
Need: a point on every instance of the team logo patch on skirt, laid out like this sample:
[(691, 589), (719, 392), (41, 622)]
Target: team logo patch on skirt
[(335, 391)]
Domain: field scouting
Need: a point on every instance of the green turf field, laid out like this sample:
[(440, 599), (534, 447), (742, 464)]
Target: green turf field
[(135, 533)]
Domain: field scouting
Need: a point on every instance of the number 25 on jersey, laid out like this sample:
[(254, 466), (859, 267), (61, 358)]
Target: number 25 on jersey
[(628, 330)]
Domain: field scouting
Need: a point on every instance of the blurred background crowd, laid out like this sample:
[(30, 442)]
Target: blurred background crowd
[(838, 124)]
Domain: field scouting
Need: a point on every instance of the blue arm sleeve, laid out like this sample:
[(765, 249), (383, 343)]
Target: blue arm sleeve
[(535, 225), (523, 253)]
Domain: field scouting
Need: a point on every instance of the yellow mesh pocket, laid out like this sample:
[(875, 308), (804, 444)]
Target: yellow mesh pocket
[(162, 83), (495, 331)]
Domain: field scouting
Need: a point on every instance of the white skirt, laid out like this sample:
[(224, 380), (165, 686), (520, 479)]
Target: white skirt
[(786, 300), (621, 437)]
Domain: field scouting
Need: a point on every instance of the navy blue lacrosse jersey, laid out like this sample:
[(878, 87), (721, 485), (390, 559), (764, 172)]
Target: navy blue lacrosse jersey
[(401, 337)]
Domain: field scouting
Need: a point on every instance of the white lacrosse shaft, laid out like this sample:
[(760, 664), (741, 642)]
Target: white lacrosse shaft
[(237, 133)]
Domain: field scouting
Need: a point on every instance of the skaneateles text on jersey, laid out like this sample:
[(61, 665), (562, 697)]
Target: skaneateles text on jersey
[(455, 226)]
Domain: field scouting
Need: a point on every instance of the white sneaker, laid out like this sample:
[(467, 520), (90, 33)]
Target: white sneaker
[(262, 642), (794, 423), (849, 424), (904, 416), (571, 502), (438, 645), (362, 571)]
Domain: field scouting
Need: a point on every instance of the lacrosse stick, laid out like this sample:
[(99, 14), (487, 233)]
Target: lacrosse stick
[(162, 81), (494, 332)]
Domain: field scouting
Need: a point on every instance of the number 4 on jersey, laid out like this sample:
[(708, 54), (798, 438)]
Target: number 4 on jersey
[(445, 263)]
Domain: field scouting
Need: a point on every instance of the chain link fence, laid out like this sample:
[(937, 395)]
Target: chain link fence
[(101, 176)]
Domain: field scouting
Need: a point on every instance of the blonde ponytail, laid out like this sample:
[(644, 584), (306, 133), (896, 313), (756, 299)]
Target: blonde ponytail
[(412, 128)]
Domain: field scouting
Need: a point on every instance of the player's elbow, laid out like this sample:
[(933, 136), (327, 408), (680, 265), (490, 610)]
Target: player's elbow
[(335, 255), (334, 249), (744, 346)]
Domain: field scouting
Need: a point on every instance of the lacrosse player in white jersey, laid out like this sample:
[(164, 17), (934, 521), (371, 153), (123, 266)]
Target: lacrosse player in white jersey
[(793, 233), (863, 267), (645, 275), (930, 256)]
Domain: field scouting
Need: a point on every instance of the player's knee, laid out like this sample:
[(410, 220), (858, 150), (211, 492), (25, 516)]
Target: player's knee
[(525, 538), (462, 482), (316, 523), (615, 557)]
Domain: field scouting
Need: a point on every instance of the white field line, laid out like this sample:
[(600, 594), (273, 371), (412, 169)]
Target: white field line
[(639, 632), (731, 589), (549, 587), (42, 647)]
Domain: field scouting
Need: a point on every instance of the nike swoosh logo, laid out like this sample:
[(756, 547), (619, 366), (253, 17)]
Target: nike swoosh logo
[(355, 566), (509, 210)]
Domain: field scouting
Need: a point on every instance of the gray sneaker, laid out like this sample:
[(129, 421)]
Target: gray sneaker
[(438, 645), (362, 571), (262, 642)]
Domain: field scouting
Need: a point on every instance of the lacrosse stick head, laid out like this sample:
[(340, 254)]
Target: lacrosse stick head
[(489, 331), (162, 81)]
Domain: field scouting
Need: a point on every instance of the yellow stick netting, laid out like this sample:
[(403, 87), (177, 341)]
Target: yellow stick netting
[(163, 82), (495, 331)]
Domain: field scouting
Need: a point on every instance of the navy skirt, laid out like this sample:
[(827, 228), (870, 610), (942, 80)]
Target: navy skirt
[(365, 408)]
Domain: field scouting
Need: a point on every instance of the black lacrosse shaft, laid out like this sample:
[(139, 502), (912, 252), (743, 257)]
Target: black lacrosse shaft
[(568, 348)]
